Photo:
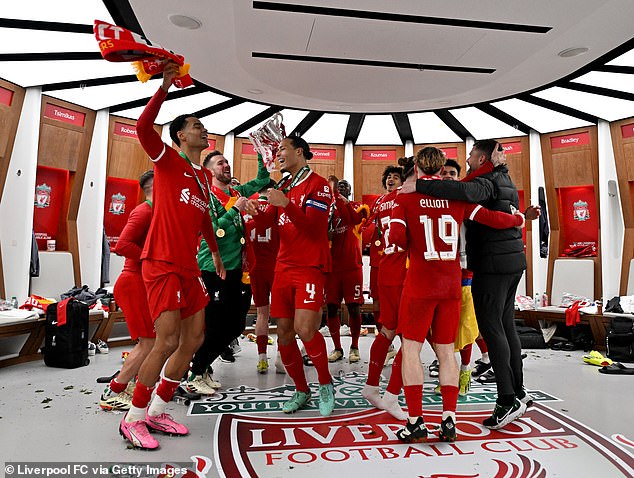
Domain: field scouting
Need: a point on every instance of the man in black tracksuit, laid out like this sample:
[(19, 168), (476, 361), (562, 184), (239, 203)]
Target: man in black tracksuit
[(497, 260)]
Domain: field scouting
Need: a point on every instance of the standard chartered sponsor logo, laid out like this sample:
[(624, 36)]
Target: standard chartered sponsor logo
[(199, 203), (185, 195)]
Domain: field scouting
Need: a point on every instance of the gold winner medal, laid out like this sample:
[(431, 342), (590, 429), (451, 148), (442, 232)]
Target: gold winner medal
[(377, 243), (220, 233), (242, 241)]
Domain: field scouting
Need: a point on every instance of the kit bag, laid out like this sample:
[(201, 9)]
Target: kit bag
[(66, 342), (530, 338), (620, 339)]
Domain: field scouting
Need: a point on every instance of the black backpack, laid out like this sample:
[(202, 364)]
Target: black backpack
[(620, 339), (66, 345)]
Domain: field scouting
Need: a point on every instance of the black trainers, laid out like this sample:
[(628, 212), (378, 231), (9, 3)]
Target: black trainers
[(227, 356), (526, 399), (504, 414), (434, 369), (480, 368), (487, 377), (413, 432), (447, 430), (307, 361)]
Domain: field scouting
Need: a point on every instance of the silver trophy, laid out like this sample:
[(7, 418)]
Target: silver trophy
[(267, 139)]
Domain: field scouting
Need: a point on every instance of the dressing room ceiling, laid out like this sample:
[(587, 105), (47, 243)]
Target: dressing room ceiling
[(418, 70)]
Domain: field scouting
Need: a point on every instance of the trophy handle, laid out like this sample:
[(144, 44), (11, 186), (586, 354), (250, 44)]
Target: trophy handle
[(277, 119)]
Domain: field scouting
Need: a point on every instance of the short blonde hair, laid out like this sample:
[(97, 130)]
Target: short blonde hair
[(430, 160)]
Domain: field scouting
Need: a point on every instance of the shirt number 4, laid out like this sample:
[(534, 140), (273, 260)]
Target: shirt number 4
[(448, 232)]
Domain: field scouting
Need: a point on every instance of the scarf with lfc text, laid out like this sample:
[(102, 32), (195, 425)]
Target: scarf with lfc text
[(148, 59)]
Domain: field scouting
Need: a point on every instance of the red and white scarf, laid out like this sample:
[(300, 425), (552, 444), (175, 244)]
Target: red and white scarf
[(148, 59)]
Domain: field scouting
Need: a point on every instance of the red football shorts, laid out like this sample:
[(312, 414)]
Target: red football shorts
[(374, 282), (297, 288), (261, 285), (416, 316), (345, 285), (130, 294), (171, 287), (389, 305)]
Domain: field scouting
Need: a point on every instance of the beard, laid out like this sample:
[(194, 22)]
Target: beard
[(222, 178)]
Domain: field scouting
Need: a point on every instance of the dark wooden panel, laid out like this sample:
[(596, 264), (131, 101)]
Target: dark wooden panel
[(624, 161), (628, 157), (126, 157), (9, 118), (571, 166), (66, 146), (59, 147)]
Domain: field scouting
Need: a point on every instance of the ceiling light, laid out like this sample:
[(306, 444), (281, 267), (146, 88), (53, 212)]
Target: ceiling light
[(255, 91), (570, 52), (184, 21)]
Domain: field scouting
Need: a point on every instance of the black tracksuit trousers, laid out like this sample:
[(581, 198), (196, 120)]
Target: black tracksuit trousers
[(225, 316), (494, 302)]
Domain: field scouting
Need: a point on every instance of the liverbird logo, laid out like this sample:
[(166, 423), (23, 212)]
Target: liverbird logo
[(117, 204), (42, 196), (581, 211)]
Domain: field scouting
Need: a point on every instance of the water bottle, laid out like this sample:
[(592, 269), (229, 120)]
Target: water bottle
[(538, 300), (14, 302), (545, 302)]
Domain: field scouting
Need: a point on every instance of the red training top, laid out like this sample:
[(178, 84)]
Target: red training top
[(345, 247), (181, 207), (132, 238), (392, 266)]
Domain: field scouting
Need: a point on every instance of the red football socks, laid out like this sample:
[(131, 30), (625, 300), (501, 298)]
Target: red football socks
[(355, 329), (166, 388), (142, 395), (465, 355), (395, 384), (316, 350), (262, 341), (449, 397), (294, 365), (482, 345), (117, 387), (414, 399), (378, 352), (333, 326)]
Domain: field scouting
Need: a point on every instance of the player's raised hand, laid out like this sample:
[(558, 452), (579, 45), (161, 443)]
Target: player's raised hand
[(169, 73)]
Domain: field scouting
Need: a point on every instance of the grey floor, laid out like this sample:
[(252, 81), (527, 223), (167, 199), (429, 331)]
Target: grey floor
[(49, 414)]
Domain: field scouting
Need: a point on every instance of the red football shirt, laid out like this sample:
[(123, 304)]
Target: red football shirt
[(429, 228), (369, 233), (392, 266), (263, 241), (132, 238), (181, 206), (303, 225), (345, 247)]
